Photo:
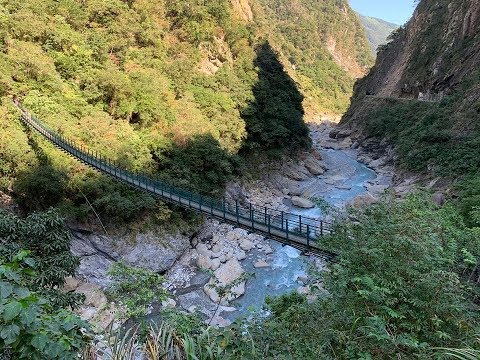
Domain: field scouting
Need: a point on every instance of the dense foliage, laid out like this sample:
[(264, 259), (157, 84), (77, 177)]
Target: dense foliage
[(429, 139), (402, 286), (325, 45), (165, 87), (31, 328), (48, 241), (135, 288)]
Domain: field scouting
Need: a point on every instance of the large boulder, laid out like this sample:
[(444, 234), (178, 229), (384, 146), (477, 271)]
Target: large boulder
[(362, 201), (302, 202), (226, 277), (313, 166), (149, 251), (295, 172), (94, 295), (246, 244)]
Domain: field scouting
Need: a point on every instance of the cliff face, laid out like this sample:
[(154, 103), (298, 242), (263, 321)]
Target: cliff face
[(432, 55), (422, 97)]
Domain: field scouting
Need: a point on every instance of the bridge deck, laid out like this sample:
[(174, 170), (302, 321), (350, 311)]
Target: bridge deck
[(294, 230)]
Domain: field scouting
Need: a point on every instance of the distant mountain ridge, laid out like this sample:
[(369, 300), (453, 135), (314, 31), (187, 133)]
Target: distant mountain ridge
[(377, 30)]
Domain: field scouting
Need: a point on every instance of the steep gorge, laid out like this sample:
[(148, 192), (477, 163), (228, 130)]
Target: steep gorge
[(420, 103), (175, 89)]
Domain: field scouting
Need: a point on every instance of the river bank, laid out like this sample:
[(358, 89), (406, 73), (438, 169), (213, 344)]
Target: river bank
[(224, 272)]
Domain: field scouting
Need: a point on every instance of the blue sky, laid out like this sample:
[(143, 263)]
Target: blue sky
[(395, 11)]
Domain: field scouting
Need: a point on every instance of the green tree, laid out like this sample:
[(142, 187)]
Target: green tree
[(274, 119), (44, 235), (30, 327)]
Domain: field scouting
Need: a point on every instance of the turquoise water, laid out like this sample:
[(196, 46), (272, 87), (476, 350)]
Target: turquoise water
[(287, 263)]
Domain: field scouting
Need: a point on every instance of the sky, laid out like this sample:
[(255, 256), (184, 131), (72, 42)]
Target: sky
[(395, 11)]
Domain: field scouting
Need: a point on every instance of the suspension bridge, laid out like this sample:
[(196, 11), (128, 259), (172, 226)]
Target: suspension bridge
[(290, 229)]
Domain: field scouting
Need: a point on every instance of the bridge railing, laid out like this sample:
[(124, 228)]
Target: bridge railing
[(246, 214)]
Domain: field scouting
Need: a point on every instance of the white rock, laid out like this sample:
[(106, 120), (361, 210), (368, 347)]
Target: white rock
[(215, 264), (246, 245), (303, 290), (204, 262), (216, 255), (202, 249), (94, 295), (87, 313), (217, 248), (241, 255), (229, 272), (219, 322), (302, 202), (267, 249), (169, 303), (226, 275), (261, 264)]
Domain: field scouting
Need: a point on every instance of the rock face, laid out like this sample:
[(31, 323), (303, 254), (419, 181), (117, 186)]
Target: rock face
[(95, 309), (243, 9), (225, 278), (437, 30), (148, 251), (302, 202)]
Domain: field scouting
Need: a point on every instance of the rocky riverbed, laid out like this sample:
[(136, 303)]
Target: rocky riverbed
[(223, 272)]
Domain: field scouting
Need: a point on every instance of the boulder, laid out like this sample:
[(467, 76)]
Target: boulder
[(267, 249), (362, 201), (215, 264), (439, 198), (204, 262), (229, 272), (302, 202), (246, 245), (314, 166), (219, 322), (217, 247), (147, 250), (295, 173), (71, 284), (169, 303), (203, 250), (302, 278), (94, 295), (303, 290), (241, 255), (261, 264), (226, 275)]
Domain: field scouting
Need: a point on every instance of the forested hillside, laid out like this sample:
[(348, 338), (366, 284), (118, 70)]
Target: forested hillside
[(378, 30), (324, 42), (177, 89)]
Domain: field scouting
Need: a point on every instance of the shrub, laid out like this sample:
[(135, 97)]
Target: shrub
[(135, 288), (30, 327)]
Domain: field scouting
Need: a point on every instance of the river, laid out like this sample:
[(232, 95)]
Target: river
[(344, 180)]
